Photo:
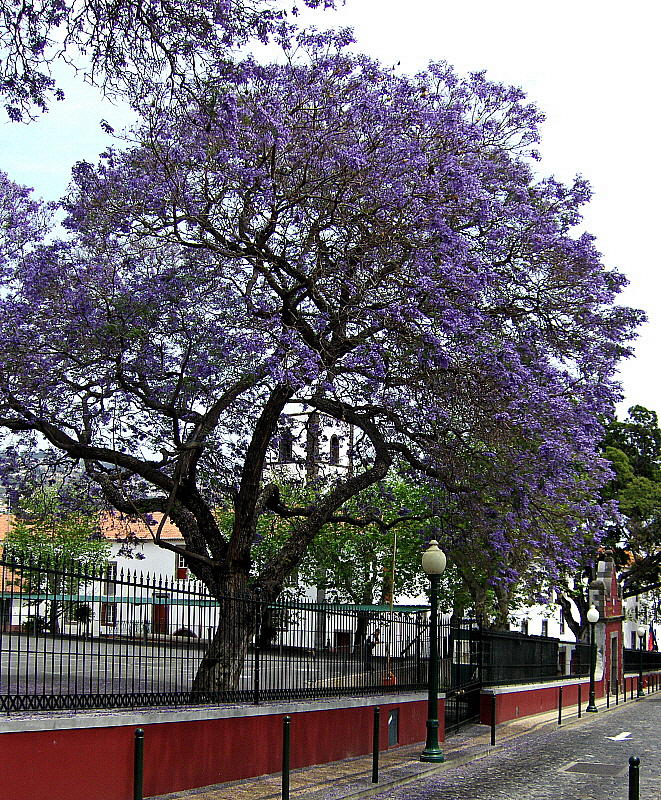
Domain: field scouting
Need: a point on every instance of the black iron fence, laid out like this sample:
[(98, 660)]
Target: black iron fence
[(650, 660), (76, 637), (509, 657)]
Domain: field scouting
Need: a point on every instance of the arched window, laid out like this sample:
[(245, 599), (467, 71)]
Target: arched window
[(286, 446), (334, 450)]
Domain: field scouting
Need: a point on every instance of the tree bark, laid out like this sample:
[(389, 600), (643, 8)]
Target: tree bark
[(224, 660), (501, 621)]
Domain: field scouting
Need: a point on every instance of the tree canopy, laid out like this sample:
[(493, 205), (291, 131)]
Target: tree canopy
[(633, 447), (325, 233), (322, 232)]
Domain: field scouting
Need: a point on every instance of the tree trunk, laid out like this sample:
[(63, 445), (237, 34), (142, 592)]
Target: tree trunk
[(360, 634), (224, 660), (575, 627), (501, 621), (53, 606)]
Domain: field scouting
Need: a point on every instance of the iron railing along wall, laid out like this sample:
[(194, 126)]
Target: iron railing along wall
[(632, 659), (509, 657), (76, 637)]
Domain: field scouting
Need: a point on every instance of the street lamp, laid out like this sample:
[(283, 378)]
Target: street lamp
[(593, 618), (641, 631), (433, 563)]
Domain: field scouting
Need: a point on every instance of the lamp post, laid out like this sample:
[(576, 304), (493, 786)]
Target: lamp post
[(593, 618), (641, 631), (433, 563)]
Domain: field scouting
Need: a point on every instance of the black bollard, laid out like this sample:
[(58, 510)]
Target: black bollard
[(560, 706), (580, 702), (624, 692), (608, 695), (617, 692), (286, 750), (634, 778), (375, 745), (138, 763), (493, 720)]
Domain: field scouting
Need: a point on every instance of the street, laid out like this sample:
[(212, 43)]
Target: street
[(542, 765)]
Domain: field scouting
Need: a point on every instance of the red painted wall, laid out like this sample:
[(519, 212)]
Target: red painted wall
[(97, 763), (512, 705)]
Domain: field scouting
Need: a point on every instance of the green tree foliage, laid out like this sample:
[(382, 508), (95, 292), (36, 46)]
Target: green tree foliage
[(494, 567), (55, 550), (633, 448), (374, 562)]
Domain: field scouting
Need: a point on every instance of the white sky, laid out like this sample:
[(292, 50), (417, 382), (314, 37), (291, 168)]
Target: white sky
[(592, 67)]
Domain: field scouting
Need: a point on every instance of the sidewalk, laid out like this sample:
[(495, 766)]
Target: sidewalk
[(349, 779)]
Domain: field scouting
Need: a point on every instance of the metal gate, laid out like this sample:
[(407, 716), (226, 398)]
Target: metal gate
[(462, 679)]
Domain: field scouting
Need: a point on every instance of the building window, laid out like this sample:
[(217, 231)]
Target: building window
[(335, 449), (109, 614), (633, 640), (545, 627), (181, 569), (524, 627), (109, 585), (286, 446), (562, 620), (160, 613)]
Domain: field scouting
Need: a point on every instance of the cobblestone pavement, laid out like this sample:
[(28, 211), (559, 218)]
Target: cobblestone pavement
[(538, 766)]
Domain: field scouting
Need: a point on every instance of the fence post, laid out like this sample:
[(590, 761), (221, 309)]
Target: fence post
[(580, 701), (560, 705), (138, 763), (256, 667), (286, 749), (375, 745), (493, 719), (634, 778)]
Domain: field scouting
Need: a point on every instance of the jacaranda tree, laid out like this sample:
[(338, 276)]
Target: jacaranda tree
[(326, 233)]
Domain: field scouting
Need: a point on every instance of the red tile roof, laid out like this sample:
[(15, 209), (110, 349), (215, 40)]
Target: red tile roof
[(115, 526)]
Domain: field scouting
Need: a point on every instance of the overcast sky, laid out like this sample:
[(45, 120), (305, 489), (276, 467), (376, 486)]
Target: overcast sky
[(592, 67)]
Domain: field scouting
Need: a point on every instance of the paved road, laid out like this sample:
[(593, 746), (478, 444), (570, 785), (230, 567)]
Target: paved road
[(535, 766)]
